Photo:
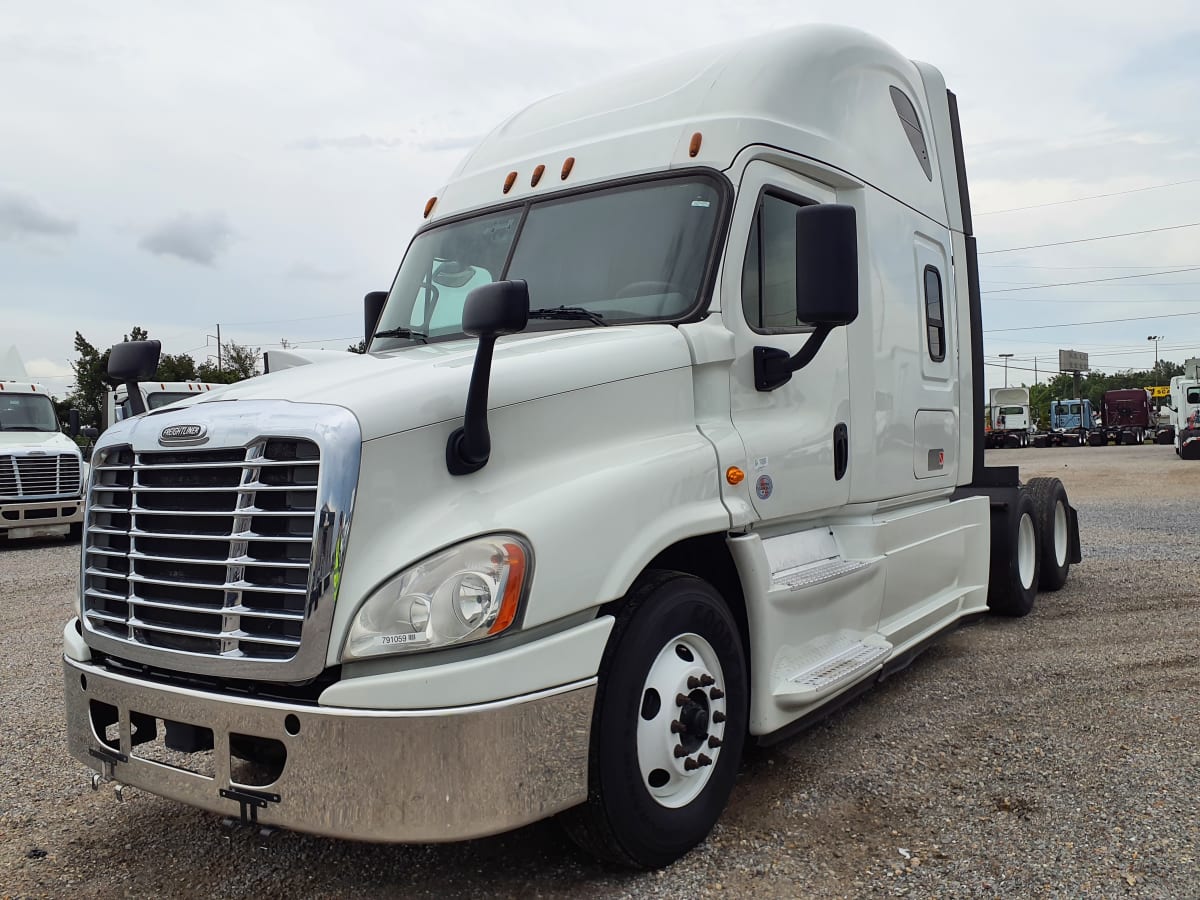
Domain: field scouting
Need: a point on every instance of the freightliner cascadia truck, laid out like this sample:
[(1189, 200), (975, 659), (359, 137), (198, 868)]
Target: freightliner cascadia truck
[(669, 437)]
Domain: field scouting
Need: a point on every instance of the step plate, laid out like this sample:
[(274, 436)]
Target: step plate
[(809, 575), (855, 658)]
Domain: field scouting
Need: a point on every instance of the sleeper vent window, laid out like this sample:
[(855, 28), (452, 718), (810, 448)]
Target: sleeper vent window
[(935, 320), (912, 127)]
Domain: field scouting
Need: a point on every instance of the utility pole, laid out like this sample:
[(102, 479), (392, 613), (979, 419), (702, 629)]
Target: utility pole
[(1006, 357), (1156, 338), (219, 367)]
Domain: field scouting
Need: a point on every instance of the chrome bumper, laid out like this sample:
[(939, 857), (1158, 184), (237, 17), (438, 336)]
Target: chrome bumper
[(429, 775), (26, 518)]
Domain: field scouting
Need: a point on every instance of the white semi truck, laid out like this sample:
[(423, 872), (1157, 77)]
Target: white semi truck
[(1011, 420), (669, 437), (41, 469), (1185, 415), (155, 394)]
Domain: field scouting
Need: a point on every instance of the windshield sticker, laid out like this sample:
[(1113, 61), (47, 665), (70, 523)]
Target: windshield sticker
[(764, 486), (703, 204)]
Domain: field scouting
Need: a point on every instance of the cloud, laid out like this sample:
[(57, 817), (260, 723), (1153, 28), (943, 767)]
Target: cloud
[(21, 215), (309, 272), (195, 237), (378, 142)]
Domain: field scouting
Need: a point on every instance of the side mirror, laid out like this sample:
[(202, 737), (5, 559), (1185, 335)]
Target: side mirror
[(131, 362), (826, 287), (73, 422), (373, 304), (90, 432), (490, 311)]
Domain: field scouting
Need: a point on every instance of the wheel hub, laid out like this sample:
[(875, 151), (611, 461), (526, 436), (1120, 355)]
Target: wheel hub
[(679, 741)]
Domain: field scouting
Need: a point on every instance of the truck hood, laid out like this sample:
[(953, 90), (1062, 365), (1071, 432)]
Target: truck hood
[(48, 441), (404, 389)]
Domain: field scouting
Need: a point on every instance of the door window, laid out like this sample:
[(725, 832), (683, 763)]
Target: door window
[(769, 273)]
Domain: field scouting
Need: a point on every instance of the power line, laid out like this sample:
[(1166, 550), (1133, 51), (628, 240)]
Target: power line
[(1022, 266), (1103, 237), (1136, 300), (1153, 187), (1088, 281), (1095, 322)]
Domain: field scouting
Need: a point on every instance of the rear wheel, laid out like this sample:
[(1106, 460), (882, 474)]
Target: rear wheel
[(668, 726), (1054, 531), (1014, 574)]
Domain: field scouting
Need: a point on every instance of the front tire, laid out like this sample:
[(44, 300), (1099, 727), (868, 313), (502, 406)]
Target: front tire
[(668, 726)]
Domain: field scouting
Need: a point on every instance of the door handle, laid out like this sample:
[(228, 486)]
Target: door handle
[(841, 451)]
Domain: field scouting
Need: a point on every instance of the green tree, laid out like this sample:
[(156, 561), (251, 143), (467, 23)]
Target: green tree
[(360, 347), (238, 362)]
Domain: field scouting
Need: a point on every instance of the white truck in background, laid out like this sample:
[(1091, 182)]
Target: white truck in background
[(1011, 420), (669, 436), (41, 469), (155, 394), (1185, 415)]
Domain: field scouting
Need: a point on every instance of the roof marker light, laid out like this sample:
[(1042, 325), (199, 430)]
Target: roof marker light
[(537, 175), (568, 165), (694, 147), (429, 205), (509, 181)]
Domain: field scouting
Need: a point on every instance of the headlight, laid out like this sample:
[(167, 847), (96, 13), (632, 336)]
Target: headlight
[(463, 594)]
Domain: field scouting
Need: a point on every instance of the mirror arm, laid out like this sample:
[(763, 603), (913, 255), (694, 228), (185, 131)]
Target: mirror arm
[(469, 447), (137, 404), (773, 367)]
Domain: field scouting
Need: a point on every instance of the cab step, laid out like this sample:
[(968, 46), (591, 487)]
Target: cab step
[(848, 663)]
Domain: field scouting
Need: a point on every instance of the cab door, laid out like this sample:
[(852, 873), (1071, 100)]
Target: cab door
[(796, 436)]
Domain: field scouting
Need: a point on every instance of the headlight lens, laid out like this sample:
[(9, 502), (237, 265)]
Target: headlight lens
[(463, 594)]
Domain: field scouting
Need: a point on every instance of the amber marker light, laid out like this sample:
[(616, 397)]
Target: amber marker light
[(568, 165), (512, 588), (429, 204), (694, 146), (509, 181), (734, 475), (537, 176)]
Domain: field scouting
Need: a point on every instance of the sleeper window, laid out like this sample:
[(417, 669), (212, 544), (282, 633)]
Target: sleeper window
[(935, 320)]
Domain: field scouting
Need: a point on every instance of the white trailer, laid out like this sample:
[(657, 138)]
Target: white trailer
[(669, 436)]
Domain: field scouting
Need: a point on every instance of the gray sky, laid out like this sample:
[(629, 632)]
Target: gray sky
[(263, 165)]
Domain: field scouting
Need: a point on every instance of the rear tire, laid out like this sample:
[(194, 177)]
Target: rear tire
[(657, 779), (1014, 574), (1054, 531)]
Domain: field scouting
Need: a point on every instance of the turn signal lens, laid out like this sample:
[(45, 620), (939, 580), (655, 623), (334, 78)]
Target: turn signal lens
[(734, 475)]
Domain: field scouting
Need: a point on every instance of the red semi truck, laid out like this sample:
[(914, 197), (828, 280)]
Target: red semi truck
[(1126, 417)]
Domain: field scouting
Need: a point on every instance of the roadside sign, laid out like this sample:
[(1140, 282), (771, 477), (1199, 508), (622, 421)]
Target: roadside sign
[(1072, 361)]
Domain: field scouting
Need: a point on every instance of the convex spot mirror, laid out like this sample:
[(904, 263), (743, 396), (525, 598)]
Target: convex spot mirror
[(501, 307)]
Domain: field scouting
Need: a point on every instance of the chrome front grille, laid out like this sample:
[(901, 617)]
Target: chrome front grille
[(24, 477), (203, 551)]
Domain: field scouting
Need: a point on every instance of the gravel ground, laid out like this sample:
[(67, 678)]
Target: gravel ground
[(1057, 755)]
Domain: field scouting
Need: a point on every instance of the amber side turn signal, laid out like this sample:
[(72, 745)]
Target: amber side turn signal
[(734, 475)]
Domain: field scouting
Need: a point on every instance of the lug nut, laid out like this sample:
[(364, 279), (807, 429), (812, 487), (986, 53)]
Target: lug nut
[(718, 716), (682, 699), (716, 693), (703, 760), (693, 682), (714, 742), (690, 764), (680, 752), (677, 727), (706, 680)]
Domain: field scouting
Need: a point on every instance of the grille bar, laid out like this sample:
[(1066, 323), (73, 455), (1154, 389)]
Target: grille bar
[(210, 586), (234, 635), (232, 610)]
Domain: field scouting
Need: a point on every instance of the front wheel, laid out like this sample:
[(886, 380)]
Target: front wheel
[(668, 726)]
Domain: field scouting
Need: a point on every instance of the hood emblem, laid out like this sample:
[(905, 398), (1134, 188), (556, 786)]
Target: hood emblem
[(183, 434)]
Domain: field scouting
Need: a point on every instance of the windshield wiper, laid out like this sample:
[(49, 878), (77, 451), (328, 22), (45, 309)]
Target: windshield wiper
[(568, 312), (403, 333)]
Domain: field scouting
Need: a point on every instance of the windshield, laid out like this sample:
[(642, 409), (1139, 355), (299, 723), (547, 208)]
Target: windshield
[(1193, 395), (153, 401), (1011, 410), (628, 254), (27, 412)]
